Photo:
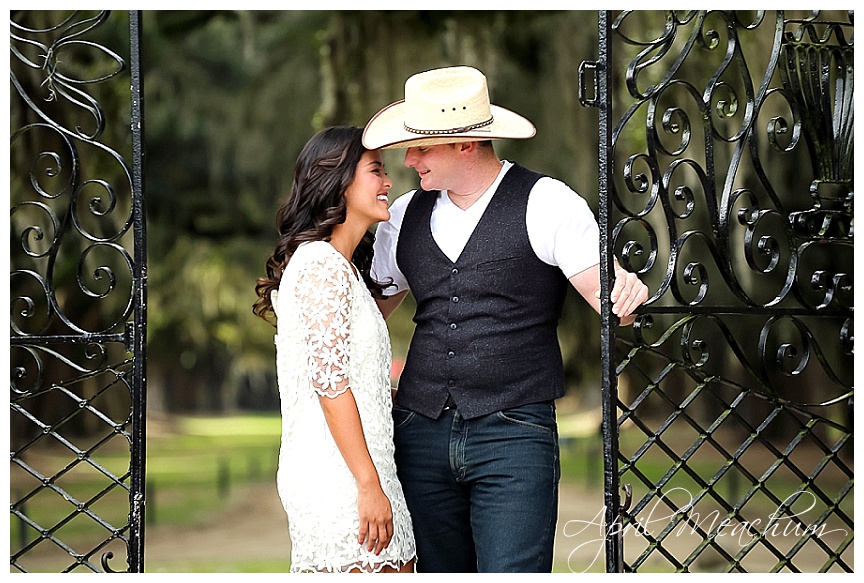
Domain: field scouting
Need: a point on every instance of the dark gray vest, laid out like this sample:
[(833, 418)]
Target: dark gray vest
[(486, 325)]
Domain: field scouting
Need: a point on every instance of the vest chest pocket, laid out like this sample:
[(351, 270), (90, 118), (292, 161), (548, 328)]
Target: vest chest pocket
[(508, 272), (507, 263)]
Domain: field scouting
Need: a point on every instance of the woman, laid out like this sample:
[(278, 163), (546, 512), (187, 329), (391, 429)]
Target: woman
[(336, 478)]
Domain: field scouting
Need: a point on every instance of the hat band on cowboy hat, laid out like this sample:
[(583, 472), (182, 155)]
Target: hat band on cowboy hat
[(444, 106), (461, 130)]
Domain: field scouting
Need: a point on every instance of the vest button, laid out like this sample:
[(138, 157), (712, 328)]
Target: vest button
[(455, 271), (452, 326), (455, 299), (451, 383), (451, 354)]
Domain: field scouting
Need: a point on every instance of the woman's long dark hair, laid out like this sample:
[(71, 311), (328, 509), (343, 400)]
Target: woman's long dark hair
[(324, 170)]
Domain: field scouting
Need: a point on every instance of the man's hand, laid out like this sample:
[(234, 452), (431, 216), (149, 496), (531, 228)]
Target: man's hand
[(628, 293)]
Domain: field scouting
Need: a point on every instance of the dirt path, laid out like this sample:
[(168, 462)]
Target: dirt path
[(254, 527)]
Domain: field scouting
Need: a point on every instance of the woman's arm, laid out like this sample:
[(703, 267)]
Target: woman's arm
[(324, 292), (376, 515)]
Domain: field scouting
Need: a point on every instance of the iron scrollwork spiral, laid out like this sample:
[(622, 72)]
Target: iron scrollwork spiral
[(695, 170), (65, 211)]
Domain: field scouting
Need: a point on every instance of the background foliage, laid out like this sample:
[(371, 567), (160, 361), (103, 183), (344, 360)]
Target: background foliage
[(232, 96)]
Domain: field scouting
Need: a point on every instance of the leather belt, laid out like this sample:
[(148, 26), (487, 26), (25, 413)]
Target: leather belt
[(450, 404)]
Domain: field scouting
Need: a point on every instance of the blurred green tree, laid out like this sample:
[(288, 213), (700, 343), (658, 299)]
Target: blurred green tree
[(231, 97)]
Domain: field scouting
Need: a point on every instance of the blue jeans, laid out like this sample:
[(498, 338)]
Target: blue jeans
[(483, 493)]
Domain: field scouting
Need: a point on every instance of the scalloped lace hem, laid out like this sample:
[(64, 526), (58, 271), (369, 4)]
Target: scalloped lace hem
[(357, 567)]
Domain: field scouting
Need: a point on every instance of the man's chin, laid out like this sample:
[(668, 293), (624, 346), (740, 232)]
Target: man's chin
[(426, 183)]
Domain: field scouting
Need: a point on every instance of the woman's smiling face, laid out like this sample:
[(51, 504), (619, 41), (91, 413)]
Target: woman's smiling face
[(366, 196)]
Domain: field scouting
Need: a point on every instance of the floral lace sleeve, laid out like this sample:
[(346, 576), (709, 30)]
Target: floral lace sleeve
[(323, 291)]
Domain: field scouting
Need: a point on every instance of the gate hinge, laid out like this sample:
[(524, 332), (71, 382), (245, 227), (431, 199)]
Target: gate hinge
[(583, 67), (623, 507)]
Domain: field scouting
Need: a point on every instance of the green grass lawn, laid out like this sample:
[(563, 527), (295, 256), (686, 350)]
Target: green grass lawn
[(192, 470)]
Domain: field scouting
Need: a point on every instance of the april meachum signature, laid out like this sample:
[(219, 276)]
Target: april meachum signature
[(777, 524)]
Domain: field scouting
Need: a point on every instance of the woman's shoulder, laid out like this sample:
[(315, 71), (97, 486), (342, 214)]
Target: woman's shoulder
[(313, 251), (318, 255)]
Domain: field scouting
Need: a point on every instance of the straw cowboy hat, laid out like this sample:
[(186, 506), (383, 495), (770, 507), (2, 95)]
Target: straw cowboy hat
[(444, 106)]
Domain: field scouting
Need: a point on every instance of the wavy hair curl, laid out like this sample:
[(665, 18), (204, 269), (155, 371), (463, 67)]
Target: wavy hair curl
[(324, 170)]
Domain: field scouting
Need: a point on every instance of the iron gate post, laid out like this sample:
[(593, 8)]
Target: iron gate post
[(139, 340), (608, 321)]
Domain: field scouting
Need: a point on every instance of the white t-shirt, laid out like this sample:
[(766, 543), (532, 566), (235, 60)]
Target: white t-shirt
[(562, 229)]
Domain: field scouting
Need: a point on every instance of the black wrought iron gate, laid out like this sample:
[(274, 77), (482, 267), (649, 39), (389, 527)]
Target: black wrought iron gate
[(78, 293), (726, 173)]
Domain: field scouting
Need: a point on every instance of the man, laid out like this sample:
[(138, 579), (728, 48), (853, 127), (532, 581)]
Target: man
[(486, 247)]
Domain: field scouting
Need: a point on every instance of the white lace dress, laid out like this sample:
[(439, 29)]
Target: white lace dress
[(328, 329)]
